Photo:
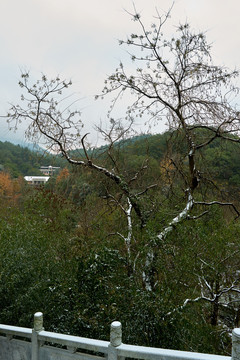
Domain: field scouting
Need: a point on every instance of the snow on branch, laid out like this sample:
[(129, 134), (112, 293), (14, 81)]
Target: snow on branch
[(186, 302), (214, 297), (127, 239), (183, 215)]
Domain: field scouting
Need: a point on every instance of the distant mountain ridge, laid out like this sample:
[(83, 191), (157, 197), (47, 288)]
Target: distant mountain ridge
[(224, 160)]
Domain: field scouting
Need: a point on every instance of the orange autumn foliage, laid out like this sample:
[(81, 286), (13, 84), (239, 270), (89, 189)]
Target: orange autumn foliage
[(6, 185), (64, 174), (10, 189), (167, 170)]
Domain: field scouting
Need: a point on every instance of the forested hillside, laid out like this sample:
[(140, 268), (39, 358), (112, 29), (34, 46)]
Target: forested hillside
[(223, 158), (21, 161)]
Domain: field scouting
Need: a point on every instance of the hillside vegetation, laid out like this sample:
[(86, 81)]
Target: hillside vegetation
[(21, 161), (64, 251)]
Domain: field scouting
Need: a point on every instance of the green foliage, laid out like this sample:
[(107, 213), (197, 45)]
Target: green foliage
[(63, 252), (22, 161), (33, 257), (223, 159)]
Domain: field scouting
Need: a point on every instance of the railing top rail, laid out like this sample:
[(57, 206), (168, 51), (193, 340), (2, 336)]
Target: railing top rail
[(142, 352), (15, 330), (68, 340), (75, 341), (123, 350)]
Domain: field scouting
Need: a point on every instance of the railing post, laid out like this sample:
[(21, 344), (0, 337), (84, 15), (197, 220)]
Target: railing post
[(116, 333), (115, 340), (38, 326)]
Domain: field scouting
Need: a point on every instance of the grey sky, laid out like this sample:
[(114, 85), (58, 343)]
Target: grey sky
[(78, 39)]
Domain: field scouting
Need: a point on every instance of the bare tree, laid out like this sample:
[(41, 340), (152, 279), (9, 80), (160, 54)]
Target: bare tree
[(174, 81), (60, 129)]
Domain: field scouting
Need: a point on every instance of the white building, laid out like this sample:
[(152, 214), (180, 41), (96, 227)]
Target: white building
[(49, 170), (36, 180)]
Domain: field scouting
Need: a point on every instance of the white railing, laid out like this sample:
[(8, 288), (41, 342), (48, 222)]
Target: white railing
[(37, 344)]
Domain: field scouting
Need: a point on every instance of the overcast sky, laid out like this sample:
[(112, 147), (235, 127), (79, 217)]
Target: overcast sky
[(79, 40)]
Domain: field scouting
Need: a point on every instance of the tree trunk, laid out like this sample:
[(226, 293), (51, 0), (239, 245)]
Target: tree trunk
[(215, 311)]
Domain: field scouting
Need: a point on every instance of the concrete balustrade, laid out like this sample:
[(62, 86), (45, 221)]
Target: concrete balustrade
[(17, 343)]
